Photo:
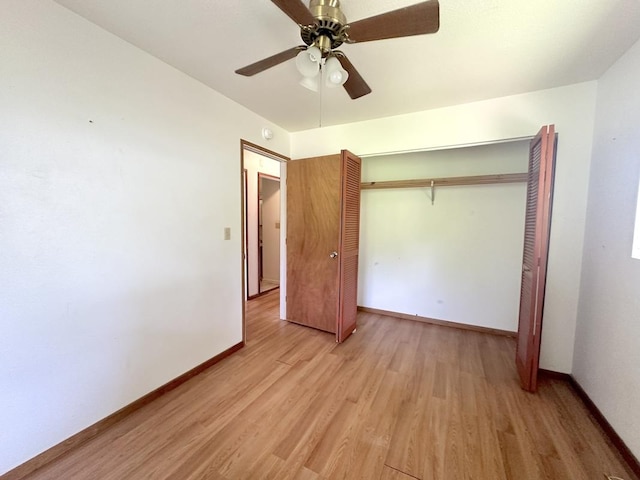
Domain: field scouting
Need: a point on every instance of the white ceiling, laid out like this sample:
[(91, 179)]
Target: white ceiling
[(484, 49)]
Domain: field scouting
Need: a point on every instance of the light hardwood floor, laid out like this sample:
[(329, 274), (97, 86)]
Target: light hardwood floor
[(399, 400)]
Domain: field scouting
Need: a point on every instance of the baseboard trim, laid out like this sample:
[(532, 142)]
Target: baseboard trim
[(441, 323), (627, 455), (615, 439), (48, 456), (555, 375)]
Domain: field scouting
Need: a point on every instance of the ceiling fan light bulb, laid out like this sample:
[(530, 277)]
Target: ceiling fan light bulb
[(315, 55), (335, 74), (345, 77), (336, 78)]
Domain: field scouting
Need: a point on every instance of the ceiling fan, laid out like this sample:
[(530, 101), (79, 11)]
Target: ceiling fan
[(323, 28)]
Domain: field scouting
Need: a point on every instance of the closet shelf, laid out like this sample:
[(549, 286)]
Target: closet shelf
[(448, 181)]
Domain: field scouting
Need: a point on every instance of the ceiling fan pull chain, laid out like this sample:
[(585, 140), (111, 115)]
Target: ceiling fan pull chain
[(320, 91)]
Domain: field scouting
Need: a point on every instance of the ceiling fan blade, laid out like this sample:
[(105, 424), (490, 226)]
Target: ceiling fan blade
[(296, 10), (355, 85), (269, 62), (414, 20)]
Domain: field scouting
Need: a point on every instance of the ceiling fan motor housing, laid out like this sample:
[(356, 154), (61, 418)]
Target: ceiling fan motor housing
[(330, 23)]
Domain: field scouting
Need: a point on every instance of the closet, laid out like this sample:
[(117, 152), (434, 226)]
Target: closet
[(323, 218), (461, 236)]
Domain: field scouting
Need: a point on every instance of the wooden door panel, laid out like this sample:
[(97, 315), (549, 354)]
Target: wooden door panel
[(313, 232), (535, 253), (349, 246)]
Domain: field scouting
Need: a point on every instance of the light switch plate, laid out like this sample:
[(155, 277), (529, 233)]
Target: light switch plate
[(227, 233)]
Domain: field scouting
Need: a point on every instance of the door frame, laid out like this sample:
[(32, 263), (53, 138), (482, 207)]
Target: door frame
[(245, 145), (245, 227)]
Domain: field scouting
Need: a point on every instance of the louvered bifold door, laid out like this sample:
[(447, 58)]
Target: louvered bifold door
[(534, 258), (349, 246)]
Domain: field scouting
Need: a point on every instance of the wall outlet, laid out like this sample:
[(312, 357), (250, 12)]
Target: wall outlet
[(227, 233)]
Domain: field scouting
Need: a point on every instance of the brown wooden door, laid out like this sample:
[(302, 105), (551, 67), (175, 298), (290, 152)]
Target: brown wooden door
[(323, 218), (313, 233), (534, 258), (349, 246)]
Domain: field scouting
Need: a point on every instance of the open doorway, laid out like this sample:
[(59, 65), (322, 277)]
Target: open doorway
[(268, 232), (263, 200), (260, 170)]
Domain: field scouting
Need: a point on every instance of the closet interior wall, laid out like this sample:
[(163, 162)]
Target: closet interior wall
[(455, 257)]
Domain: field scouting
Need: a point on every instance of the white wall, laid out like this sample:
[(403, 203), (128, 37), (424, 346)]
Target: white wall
[(458, 259), (636, 232), (271, 229), (114, 275), (607, 351), (570, 108), (255, 163)]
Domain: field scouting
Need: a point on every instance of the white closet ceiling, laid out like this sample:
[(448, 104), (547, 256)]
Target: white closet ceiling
[(484, 49)]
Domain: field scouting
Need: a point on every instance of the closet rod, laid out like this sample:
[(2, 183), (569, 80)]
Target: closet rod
[(448, 181)]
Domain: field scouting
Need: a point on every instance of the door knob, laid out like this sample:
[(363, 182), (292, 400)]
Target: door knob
[(333, 254)]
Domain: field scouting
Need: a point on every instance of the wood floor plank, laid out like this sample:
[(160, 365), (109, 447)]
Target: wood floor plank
[(399, 400), (333, 439), (364, 458)]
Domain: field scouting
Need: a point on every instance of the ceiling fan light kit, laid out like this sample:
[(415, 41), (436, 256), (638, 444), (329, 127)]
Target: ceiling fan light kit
[(324, 28), (308, 61), (335, 75)]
